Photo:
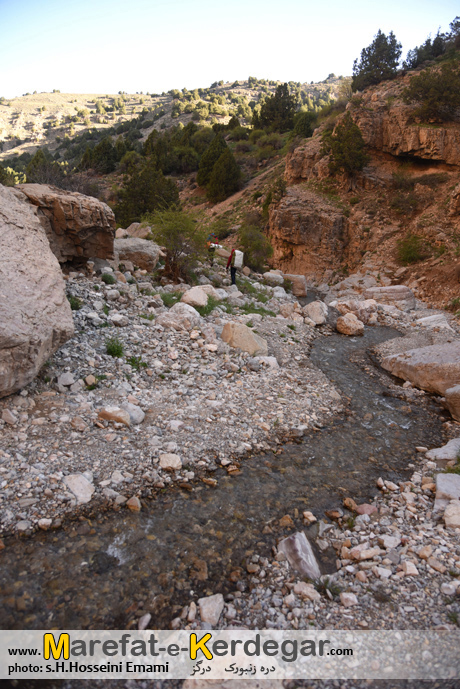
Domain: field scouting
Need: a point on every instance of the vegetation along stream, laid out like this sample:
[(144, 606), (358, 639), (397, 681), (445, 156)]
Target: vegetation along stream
[(108, 572)]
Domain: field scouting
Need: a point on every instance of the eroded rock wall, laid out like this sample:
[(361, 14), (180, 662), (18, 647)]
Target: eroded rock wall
[(308, 234)]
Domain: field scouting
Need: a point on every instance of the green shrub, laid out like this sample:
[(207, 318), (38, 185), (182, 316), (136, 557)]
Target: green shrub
[(257, 249), (182, 237), (114, 347), (250, 308), (170, 298), (108, 278), (210, 306), (277, 111), (75, 302), (247, 287), (411, 249), (453, 305), (146, 191), (436, 91), (404, 203), (304, 124), (136, 362), (346, 146), (255, 135)]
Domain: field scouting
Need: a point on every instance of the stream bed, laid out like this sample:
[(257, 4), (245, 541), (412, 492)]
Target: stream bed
[(106, 573)]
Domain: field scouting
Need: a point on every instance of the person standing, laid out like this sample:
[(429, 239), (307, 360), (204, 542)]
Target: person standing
[(211, 244)]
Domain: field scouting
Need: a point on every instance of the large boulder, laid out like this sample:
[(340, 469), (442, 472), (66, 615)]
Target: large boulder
[(35, 315), (195, 296), (317, 311), (77, 226), (140, 252), (179, 317), (349, 324), (212, 292), (299, 284), (239, 335), (394, 295), (435, 368), (273, 278)]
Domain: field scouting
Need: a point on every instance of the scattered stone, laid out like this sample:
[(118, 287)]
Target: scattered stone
[(447, 489), (136, 415), (452, 514), (348, 599), (211, 608), (452, 396), (395, 295), (299, 284), (134, 504), (9, 418), (144, 621), (115, 414), (409, 569), (309, 517), (170, 462), (299, 554), (238, 335), (66, 379), (80, 487), (350, 325)]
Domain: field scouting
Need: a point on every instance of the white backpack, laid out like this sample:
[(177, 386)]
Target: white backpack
[(238, 262)]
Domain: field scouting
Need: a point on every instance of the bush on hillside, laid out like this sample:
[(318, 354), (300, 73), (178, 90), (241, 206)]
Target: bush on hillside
[(42, 169), (411, 249), (257, 249), (436, 92), (304, 124), (146, 191), (346, 147)]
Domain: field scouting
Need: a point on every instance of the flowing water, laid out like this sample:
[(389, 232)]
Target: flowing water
[(107, 573)]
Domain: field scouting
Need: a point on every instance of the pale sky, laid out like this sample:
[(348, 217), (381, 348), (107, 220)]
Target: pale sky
[(106, 46)]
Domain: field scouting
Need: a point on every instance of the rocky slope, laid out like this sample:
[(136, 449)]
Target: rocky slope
[(410, 187)]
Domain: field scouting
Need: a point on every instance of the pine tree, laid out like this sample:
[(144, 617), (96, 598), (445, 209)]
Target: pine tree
[(277, 112), (379, 61), (225, 178), (209, 159), (148, 190)]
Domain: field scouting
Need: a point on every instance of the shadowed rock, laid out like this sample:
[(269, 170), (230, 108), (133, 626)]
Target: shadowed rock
[(35, 315), (77, 226)]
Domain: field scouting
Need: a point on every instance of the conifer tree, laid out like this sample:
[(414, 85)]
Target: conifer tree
[(225, 178), (379, 61), (209, 159)]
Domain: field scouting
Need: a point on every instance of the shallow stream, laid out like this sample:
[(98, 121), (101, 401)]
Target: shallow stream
[(106, 573)]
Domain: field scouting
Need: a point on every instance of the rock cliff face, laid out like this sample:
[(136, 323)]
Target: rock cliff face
[(307, 238), (35, 316), (77, 226), (308, 234), (387, 125)]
